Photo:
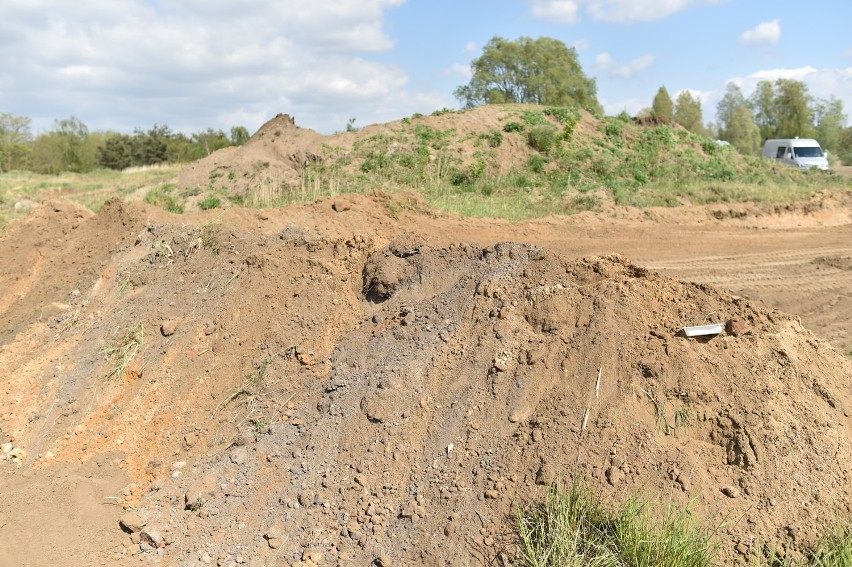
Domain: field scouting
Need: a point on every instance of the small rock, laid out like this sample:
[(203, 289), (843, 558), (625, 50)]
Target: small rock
[(169, 327), (683, 481), (313, 555), (131, 522), (17, 455), (382, 560), (613, 475), (6, 448), (340, 206), (492, 494), (736, 327), (209, 327), (731, 491), (152, 537)]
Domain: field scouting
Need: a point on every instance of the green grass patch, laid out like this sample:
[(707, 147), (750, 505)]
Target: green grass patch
[(165, 197), (571, 527)]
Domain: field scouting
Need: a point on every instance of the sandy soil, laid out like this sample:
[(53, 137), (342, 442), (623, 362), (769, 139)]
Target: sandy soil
[(333, 384)]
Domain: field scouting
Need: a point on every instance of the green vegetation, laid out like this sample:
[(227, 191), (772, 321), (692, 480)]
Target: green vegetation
[(537, 71), (571, 527), (164, 196)]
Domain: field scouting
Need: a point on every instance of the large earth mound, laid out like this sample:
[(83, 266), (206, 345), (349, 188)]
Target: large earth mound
[(334, 394)]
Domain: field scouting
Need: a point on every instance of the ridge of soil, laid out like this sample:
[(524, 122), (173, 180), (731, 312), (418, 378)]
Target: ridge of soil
[(321, 384)]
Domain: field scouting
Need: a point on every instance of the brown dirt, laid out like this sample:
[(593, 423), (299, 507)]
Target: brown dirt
[(335, 379)]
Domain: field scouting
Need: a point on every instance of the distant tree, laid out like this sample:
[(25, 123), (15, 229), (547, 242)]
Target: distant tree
[(239, 135), (662, 107), (538, 71), (795, 115), (830, 121), (762, 104), (210, 140), (71, 134), (116, 151), (151, 147), (15, 142), (687, 113), (783, 109), (47, 155), (736, 122), (844, 147)]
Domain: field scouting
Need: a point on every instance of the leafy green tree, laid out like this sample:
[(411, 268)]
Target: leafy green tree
[(48, 154), (736, 122), (762, 103), (210, 140), (151, 147), (783, 109), (830, 121), (687, 113), (844, 148), (239, 135), (537, 71), (15, 142), (116, 151), (662, 107), (795, 116), (71, 134)]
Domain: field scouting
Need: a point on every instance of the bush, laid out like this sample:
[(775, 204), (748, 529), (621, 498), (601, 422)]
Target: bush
[(513, 127), (210, 202), (542, 138)]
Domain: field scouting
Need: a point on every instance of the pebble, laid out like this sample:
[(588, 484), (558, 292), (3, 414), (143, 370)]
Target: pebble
[(731, 491), (239, 455), (169, 327), (131, 522), (152, 537), (313, 555)]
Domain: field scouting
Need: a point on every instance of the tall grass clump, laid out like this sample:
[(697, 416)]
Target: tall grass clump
[(571, 527)]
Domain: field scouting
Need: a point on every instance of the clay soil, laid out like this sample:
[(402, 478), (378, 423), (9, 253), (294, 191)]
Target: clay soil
[(363, 381)]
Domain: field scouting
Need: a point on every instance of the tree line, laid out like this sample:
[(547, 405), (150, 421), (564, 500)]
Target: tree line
[(70, 146), (546, 71)]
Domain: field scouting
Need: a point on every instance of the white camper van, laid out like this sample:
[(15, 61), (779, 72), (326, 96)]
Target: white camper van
[(799, 152)]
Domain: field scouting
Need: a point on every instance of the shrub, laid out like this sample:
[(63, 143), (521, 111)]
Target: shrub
[(162, 197), (542, 138), (513, 127), (210, 202)]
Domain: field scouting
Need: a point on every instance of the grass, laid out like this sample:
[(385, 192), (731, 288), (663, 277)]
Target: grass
[(88, 189), (561, 162), (122, 351), (571, 527)]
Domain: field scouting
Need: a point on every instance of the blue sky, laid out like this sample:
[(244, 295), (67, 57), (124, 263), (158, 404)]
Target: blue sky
[(194, 64)]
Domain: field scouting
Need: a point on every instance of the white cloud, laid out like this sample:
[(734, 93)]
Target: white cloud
[(567, 12), (765, 33), (199, 63), (631, 106), (605, 63), (470, 48), (458, 70), (558, 11), (581, 44), (704, 97)]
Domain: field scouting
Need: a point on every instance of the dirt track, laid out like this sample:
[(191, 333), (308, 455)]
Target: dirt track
[(356, 462)]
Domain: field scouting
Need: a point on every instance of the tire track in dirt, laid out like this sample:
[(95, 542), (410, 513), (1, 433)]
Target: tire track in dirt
[(804, 282)]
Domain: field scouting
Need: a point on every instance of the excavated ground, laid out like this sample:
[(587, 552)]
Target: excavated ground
[(357, 381)]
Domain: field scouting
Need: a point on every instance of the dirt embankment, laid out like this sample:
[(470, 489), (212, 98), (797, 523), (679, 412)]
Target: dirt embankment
[(324, 387)]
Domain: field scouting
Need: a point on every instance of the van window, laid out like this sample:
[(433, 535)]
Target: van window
[(782, 151), (811, 151)]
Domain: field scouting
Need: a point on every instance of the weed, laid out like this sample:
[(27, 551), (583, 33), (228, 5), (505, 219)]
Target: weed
[(542, 137), (572, 528), (210, 202), (513, 127), (162, 197), (232, 175), (121, 352), (494, 138)]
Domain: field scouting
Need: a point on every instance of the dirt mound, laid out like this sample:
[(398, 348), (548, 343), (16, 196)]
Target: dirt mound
[(321, 391)]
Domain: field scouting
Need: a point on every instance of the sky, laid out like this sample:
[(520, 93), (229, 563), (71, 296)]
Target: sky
[(197, 64)]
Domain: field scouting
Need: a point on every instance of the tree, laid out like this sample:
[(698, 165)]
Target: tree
[(662, 107), (151, 147), (793, 107), (736, 122), (687, 113), (15, 142), (783, 109), (116, 151), (538, 71), (71, 133), (830, 121), (239, 135)]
